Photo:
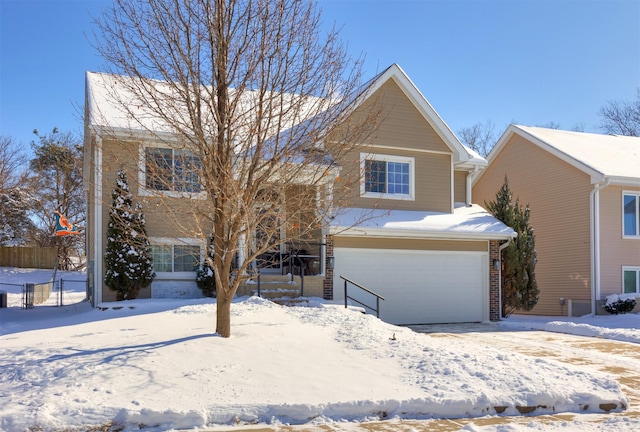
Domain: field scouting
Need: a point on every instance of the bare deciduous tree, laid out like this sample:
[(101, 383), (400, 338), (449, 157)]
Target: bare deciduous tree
[(256, 99), (480, 137), (621, 118), (14, 196), (55, 182)]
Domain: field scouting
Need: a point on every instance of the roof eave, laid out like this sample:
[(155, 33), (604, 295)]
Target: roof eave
[(421, 234), (617, 180)]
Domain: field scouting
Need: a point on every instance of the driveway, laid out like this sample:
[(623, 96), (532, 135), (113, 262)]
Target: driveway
[(619, 359)]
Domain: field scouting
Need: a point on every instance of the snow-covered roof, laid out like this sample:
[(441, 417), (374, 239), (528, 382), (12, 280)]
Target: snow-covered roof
[(601, 156), (466, 222), (111, 104)]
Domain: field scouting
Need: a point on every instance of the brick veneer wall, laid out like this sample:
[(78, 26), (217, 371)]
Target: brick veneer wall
[(328, 278), (494, 282)]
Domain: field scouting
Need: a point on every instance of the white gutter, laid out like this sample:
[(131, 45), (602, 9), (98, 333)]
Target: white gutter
[(500, 249), (594, 204), (409, 233)]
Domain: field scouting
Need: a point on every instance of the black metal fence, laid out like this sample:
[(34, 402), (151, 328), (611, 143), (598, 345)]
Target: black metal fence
[(58, 293)]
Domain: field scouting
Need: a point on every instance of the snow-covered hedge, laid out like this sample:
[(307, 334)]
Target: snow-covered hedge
[(620, 303)]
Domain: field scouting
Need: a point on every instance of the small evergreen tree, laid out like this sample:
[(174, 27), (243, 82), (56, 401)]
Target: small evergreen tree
[(519, 286), (129, 264)]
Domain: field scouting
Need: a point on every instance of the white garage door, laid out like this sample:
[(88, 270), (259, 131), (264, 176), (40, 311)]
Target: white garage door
[(420, 287)]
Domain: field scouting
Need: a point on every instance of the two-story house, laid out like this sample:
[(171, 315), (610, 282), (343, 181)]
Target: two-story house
[(584, 193), (421, 244)]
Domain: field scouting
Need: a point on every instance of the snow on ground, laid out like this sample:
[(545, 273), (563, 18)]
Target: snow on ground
[(624, 327), (157, 365)]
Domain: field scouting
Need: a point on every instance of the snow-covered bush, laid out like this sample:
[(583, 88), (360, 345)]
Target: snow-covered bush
[(617, 304), (206, 279)]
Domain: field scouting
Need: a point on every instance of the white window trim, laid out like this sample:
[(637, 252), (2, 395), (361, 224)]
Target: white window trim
[(169, 241), (635, 269), (387, 158), (142, 178), (637, 195)]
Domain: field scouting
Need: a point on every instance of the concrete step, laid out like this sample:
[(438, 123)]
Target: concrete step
[(275, 283), (268, 278), (300, 301), (276, 293)]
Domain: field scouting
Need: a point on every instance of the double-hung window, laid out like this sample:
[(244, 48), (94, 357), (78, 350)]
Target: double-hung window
[(631, 214), (173, 258), (631, 280), (172, 170), (386, 176)]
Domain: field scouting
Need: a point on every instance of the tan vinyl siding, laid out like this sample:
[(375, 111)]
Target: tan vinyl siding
[(399, 122), (432, 182), (615, 251), (558, 195), (410, 244), (401, 131), (167, 217), (460, 186)]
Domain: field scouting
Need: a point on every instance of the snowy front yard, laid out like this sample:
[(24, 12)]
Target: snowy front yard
[(158, 363)]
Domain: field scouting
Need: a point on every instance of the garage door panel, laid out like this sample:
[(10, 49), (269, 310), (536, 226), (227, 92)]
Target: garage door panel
[(419, 286)]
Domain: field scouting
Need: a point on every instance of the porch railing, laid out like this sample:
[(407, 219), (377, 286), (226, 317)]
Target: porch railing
[(297, 260), (299, 256)]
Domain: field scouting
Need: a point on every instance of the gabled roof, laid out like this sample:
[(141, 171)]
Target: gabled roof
[(612, 157), (464, 157)]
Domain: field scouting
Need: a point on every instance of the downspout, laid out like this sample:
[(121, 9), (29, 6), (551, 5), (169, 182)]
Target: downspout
[(98, 277), (470, 177), (502, 247), (594, 203)]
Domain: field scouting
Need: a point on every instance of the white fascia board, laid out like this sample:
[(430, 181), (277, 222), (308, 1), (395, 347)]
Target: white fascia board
[(133, 134), (416, 234), (472, 165), (618, 181)]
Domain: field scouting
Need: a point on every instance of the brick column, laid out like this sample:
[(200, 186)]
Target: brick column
[(327, 284), (494, 281)]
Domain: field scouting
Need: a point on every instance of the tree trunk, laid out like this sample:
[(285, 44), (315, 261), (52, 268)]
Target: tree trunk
[(223, 313)]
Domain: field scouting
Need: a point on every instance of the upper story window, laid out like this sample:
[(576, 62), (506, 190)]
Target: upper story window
[(172, 170), (631, 214), (386, 176)]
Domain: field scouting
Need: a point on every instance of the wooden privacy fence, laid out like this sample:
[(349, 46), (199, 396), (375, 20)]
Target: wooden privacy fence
[(28, 257)]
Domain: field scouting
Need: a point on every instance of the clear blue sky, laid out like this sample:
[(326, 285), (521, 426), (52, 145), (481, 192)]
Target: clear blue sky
[(531, 62)]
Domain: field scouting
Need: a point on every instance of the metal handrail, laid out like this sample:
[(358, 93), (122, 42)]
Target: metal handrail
[(346, 296), (303, 266)]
